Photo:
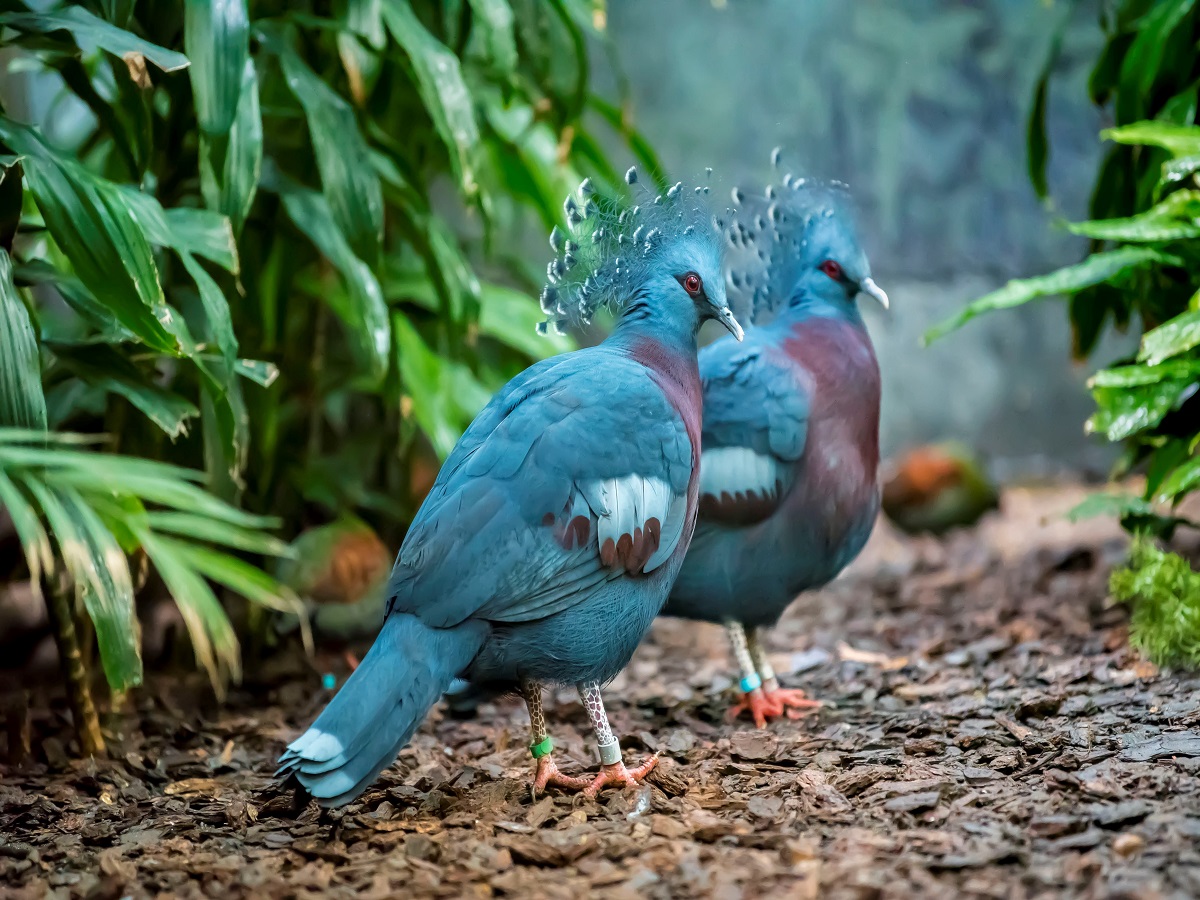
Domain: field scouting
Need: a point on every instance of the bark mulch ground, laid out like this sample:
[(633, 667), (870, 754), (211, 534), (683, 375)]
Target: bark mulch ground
[(987, 734)]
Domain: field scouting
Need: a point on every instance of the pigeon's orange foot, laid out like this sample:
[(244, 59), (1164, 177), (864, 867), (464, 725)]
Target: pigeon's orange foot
[(619, 775), (547, 773), (755, 703), (792, 703), (351, 660)]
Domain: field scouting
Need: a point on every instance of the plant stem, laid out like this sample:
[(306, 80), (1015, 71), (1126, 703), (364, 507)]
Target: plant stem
[(79, 689)]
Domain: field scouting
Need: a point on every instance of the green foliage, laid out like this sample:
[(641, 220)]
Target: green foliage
[(1165, 593), (224, 255), (1144, 264)]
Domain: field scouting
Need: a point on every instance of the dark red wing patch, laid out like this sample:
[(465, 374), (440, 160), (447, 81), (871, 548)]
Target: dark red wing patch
[(741, 508), (632, 551)]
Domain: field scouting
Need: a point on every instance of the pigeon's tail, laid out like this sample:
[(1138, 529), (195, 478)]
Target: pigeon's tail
[(372, 717)]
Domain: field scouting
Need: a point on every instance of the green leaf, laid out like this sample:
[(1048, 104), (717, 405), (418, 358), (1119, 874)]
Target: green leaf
[(1134, 376), (262, 373), (1122, 412), (1114, 505), (1037, 147), (1175, 218), (216, 307), (202, 528), (1183, 480), (22, 401), (1178, 140), (361, 308), (231, 164), (348, 178), (90, 30), (425, 379), (440, 81), (103, 367), (1175, 170), (1143, 61), (204, 233), (1097, 268), (94, 225), (101, 576), (216, 36), (240, 577), (35, 543), (213, 639), (1171, 338), (494, 18)]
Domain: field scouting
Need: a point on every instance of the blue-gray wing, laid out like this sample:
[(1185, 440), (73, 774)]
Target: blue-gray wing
[(756, 406), (576, 473)]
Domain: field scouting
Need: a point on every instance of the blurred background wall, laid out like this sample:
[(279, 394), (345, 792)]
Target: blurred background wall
[(920, 106)]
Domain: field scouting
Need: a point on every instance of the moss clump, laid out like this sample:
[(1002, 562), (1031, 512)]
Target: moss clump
[(1164, 592)]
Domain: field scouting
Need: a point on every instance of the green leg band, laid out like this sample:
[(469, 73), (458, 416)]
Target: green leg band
[(544, 747)]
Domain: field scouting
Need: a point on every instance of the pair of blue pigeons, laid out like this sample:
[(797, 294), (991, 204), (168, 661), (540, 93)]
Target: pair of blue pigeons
[(560, 525)]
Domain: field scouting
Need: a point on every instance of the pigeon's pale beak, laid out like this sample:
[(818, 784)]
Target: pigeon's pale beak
[(871, 289), (725, 316)]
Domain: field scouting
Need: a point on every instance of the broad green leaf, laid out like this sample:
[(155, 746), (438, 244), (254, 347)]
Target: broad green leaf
[(1184, 479), (94, 225), (505, 315), (361, 308), (202, 528), (1118, 505), (1174, 170), (262, 373), (1037, 148), (1171, 338), (364, 24), (1178, 140), (1122, 412), (1143, 59), (240, 577), (213, 639), (1175, 218), (226, 425), (103, 367), (101, 576), (1097, 268), (35, 543), (216, 36), (199, 231), (425, 379), (90, 30), (440, 81), (22, 401), (216, 307), (231, 164), (1134, 376), (494, 19), (348, 179)]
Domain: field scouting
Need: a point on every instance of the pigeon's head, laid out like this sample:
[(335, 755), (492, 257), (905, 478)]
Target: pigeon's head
[(800, 249), (658, 259)]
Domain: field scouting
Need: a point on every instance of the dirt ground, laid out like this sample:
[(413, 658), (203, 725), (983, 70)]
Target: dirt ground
[(987, 734)]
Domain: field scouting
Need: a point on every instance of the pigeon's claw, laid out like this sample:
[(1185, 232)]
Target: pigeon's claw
[(792, 703), (756, 704), (547, 773), (619, 775)]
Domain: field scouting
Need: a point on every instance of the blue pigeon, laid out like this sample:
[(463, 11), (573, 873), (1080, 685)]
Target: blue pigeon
[(788, 484), (558, 523)]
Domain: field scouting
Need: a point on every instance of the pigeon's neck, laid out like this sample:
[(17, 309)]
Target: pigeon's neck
[(670, 355), (805, 306)]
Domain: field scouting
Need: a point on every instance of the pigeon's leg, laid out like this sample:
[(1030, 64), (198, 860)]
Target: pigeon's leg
[(793, 703), (753, 699), (612, 769), (541, 745)]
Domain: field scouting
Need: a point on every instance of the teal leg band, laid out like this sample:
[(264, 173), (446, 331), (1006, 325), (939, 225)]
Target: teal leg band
[(750, 683), (541, 748)]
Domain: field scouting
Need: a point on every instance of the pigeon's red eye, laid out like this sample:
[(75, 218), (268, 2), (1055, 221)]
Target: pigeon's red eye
[(692, 284), (832, 269)]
